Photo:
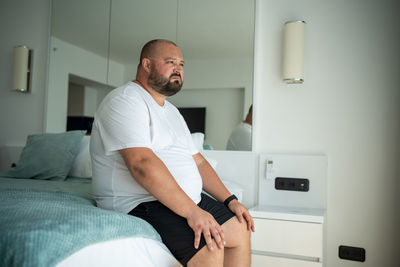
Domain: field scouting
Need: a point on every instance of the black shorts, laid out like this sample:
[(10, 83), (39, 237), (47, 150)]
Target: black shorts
[(174, 230)]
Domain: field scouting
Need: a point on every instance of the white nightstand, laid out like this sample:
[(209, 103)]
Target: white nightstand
[(287, 237)]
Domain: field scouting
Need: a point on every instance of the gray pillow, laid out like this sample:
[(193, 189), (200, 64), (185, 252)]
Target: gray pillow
[(47, 156)]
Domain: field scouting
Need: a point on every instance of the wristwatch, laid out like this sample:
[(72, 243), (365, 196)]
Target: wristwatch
[(229, 199)]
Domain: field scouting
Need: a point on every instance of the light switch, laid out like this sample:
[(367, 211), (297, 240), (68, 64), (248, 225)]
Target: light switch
[(270, 169)]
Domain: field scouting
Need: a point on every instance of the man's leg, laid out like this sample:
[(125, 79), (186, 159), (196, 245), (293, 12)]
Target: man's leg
[(207, 258), (236, 252), (237, 248)]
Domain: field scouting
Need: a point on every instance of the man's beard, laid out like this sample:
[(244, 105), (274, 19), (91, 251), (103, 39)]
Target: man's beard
[(164, 85)]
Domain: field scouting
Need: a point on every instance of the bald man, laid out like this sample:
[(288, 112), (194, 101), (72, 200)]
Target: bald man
[(145, 164)]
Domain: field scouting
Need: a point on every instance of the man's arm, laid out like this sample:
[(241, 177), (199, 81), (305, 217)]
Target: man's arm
[(214, 186), (151, 173)]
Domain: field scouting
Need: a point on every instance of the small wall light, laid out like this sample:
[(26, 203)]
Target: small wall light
[(22, 69), (293, 52)]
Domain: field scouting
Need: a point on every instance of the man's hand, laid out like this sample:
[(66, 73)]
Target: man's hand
[(242, 214), (204, 223)]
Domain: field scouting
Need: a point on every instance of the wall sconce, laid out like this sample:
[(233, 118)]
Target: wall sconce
[(22, 69), (293, 52)]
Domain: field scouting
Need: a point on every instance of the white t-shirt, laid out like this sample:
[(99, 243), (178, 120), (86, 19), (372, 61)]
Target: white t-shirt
[(130, 117), (240, 138)]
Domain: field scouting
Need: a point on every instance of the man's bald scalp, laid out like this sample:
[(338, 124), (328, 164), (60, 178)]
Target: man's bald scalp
[(151, 47)]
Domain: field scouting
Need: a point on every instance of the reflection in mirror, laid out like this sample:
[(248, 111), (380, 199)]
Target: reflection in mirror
[(215, 36), (84, 96), (79, 47), (223, 108)]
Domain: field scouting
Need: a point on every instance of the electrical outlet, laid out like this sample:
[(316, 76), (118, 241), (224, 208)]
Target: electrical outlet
[(292, 184), (352, 253)]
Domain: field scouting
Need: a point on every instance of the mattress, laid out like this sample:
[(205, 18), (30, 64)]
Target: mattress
[(123, 252), (135, 250)]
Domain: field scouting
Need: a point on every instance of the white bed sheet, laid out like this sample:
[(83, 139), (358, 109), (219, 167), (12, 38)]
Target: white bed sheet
[(134, 251)]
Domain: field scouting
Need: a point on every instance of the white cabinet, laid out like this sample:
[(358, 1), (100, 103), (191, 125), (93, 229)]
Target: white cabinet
[(287, 237)]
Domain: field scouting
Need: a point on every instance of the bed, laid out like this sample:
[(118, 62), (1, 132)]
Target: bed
[(48, 216)]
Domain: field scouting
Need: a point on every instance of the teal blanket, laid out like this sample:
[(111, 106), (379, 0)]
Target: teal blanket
[(41, 228)]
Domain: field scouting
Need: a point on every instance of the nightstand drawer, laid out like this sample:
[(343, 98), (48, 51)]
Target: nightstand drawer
[(263, 261), (287, 237)]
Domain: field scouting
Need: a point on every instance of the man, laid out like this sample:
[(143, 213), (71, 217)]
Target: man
[(240, 138), (145, 164)]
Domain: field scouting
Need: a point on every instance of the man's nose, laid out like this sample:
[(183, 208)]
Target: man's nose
[(178, 68)]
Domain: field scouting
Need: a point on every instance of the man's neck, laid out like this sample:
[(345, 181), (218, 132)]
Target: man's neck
[(159, 98)]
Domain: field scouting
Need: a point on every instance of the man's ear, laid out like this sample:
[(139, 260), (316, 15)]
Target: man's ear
[(146, 63)]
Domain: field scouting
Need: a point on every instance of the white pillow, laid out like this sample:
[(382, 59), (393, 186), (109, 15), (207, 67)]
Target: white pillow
[(82, 166)]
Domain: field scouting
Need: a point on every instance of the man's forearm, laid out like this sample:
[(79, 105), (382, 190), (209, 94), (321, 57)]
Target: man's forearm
[(212, 184)]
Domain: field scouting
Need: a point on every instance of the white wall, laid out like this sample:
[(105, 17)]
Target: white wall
[(348, 108), (90, 98), (22, 22)]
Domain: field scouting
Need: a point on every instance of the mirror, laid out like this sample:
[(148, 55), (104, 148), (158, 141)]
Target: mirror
[(95, 46), (78, 57)]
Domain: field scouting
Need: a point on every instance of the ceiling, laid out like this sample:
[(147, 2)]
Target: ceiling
[(203, 29)]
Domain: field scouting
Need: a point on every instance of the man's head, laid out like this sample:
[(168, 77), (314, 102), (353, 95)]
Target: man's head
[(249, 117), (161, 64)]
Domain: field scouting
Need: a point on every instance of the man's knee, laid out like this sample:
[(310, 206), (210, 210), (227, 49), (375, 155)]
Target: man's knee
[(235, 232), (205, 257)]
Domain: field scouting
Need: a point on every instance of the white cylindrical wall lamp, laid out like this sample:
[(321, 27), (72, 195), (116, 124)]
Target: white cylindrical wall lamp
[(22, 69), (293, 52)]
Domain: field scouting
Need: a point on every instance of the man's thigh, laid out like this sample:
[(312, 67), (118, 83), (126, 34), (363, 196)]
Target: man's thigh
[(174, 230)]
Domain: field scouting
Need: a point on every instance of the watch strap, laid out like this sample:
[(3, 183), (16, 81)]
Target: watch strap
[(229, 199)]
